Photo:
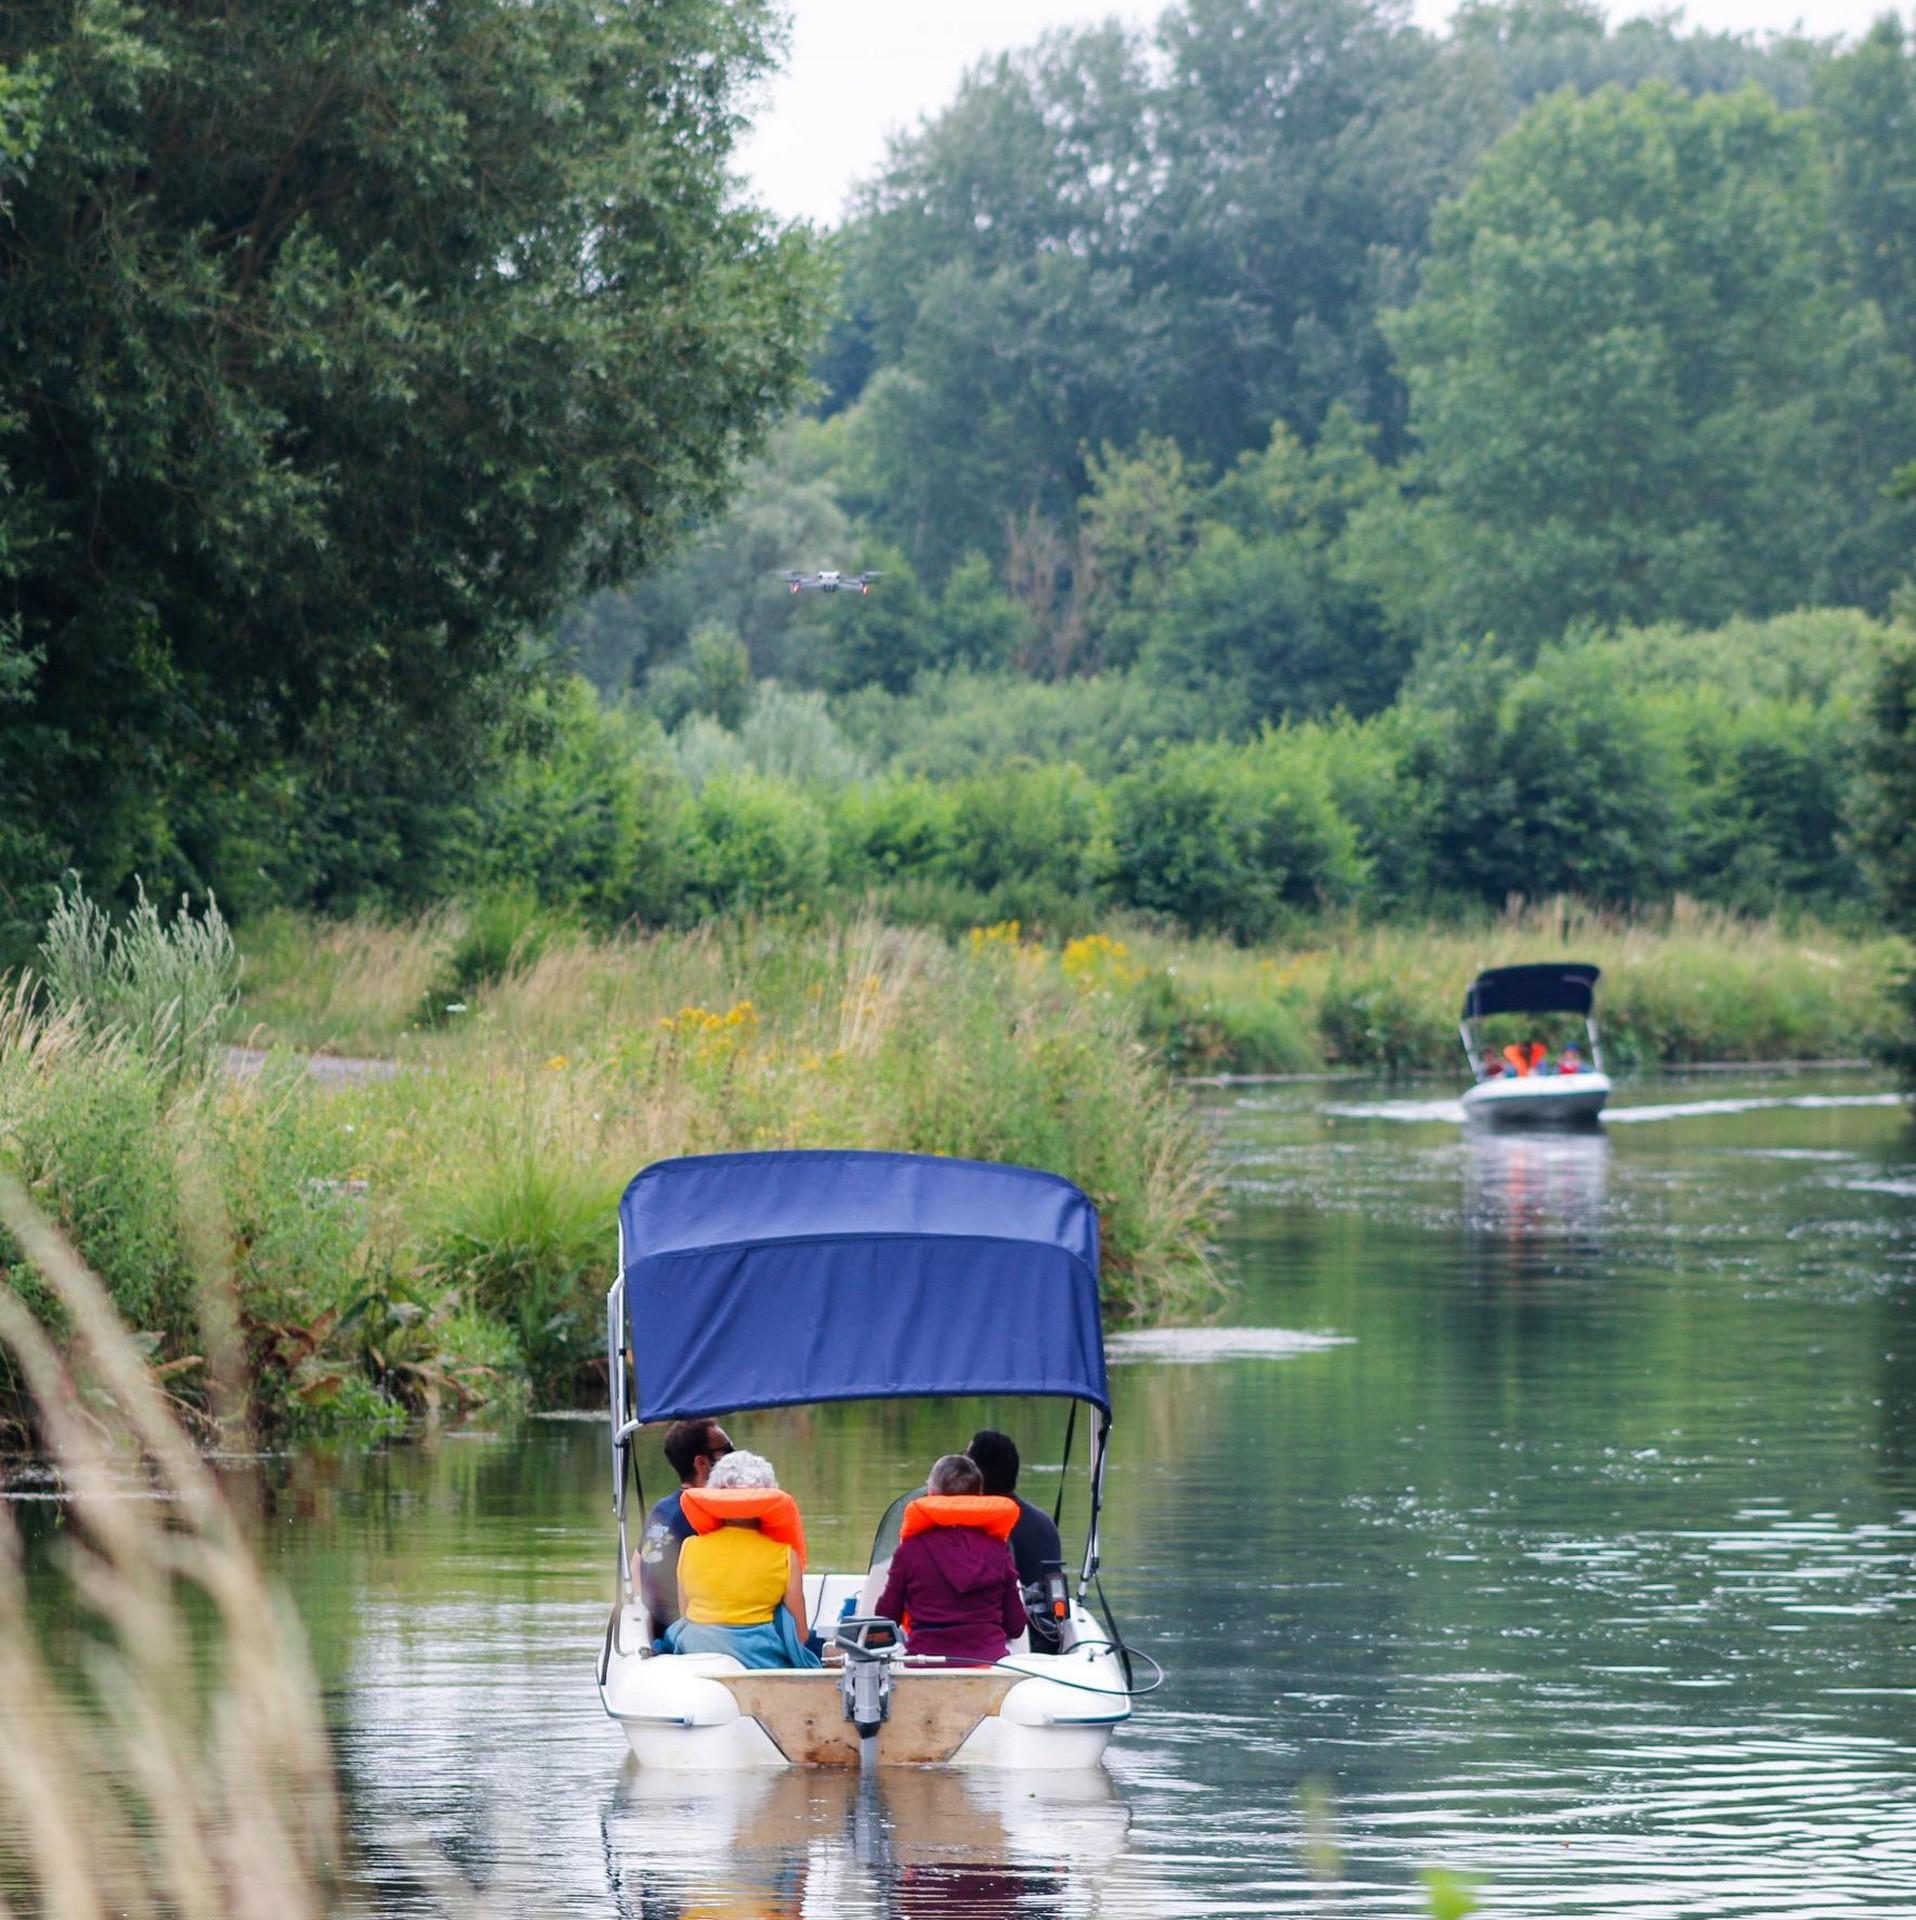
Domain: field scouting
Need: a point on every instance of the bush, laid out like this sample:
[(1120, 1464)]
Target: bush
[(1040, 831), (587, 819), (755, 843), (883, 831), (523, 1237), (1231, 839), (84, 1129), (167, 987)]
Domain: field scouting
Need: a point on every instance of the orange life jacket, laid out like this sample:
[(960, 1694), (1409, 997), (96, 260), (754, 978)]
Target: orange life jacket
[(708, 1509), (992, 1513), (1519, 1057)]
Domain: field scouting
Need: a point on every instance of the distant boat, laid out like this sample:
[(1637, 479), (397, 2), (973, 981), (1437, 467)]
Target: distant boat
[(1539, 1096)]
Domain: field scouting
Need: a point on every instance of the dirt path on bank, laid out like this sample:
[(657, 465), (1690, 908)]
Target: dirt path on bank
[(329, 1069)]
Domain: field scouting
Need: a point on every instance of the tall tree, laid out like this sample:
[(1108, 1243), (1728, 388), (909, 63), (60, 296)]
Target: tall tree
[(1641, 389), (342, 343)]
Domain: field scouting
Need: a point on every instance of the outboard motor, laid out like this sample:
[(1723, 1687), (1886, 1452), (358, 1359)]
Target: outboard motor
[(1048, 1611), (867, 1642)]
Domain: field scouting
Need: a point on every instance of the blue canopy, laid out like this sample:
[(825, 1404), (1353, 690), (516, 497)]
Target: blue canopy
[(780, 1279)]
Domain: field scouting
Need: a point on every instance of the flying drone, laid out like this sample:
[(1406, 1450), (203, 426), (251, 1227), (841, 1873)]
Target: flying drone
[(830, 582)]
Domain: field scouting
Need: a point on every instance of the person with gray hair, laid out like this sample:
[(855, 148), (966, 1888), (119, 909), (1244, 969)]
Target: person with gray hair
[(741, 1575), (952, 1584)]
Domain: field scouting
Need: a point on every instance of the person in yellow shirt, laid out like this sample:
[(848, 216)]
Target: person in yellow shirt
[(741, 1575)]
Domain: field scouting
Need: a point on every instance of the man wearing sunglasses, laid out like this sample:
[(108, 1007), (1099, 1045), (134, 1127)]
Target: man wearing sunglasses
[(692, 1448)]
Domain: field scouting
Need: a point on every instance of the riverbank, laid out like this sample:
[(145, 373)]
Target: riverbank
[(442, 1235), (1685, 987)]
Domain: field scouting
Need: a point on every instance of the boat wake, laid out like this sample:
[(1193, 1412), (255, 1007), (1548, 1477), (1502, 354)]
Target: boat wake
[(1427, 1112), (1200, 1345), (1700, 1109)]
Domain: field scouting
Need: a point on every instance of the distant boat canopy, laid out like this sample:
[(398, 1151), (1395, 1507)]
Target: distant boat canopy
[(1557, 986), (785, 1279)]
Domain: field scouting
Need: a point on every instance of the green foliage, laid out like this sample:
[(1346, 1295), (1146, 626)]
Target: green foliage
[(1889, 773), (523, 1236), (754, 843), (167, 987), (586, 816), (1449, 1896), (1230, 840), (1030, 830), (1540, 783), (500, 933), (1640, 392), (83, 1125), (789, 734), (343, 346), (714, 679)]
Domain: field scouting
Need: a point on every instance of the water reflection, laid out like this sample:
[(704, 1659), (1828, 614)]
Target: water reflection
[(1532, 1191), (902, 1843)]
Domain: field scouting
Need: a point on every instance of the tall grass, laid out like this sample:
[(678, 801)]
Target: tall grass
[(185, 1770), (167, 986)]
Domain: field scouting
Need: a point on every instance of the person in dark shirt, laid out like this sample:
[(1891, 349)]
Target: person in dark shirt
[(1034, 1540), (692, 1449)]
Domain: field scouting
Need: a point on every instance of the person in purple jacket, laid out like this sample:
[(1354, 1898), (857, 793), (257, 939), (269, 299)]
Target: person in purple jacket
[(953, 1585)]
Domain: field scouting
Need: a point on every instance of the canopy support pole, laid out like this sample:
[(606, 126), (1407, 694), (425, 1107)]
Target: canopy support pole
[(1469, 1038), (1101, 1452), (1070, 1429), (1596, 1042), (623, 1428)]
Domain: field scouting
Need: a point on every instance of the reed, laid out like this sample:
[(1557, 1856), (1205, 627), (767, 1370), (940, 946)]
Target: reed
[(183, 1769)]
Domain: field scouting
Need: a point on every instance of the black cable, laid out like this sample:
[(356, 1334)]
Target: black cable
[(1117, 1637), (1070, 1428)]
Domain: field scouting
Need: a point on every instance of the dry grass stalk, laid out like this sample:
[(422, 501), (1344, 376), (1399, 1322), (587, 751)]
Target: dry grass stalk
[(196, 1779)]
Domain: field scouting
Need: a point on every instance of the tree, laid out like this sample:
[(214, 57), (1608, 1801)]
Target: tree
[(341, 346), (1889, 788), (1866, 106), (1640, 390)]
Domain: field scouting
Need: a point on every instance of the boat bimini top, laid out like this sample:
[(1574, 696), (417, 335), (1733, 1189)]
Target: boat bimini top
[(1551, 986), (778, 1279)]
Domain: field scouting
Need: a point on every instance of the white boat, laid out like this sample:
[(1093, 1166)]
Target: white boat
[(1527, 1095), (759, 1280)]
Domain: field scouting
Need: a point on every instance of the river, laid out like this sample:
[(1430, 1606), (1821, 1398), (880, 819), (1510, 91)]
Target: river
[(1572, 1551)]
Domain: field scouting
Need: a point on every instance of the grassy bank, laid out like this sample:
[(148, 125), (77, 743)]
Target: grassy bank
[(445, 1235)]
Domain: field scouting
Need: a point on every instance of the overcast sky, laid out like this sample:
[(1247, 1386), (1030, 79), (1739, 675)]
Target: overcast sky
[(862, 69)]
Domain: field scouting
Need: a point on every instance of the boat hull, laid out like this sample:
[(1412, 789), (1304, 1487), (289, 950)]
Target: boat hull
[(706, 1713), (1539, 1100)]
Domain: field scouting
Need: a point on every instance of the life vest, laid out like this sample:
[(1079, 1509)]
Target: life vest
[(1519, 1058), (708, 1509), (992, 1513)]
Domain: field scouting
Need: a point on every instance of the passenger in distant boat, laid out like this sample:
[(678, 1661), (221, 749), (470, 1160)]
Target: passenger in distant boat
[(1035, 1545), (692, 1449), (741, 1576), (1517, 1060), (1497, 1068), (1570, 1060), (953, 1584)]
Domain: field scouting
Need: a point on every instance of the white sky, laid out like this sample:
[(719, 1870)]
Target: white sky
[(862, 69)]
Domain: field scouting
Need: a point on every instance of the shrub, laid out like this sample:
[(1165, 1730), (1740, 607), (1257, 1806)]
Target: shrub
[(523, 1236), (587, 819), (1042, 828), (168, 987), (84, 1129), (1231, 839), (755, 843), (887, 830)]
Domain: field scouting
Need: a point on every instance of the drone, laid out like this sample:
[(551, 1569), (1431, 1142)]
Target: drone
[(830, 582)]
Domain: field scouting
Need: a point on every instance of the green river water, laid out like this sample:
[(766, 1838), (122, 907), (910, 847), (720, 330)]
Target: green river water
[(1573, 1554)]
